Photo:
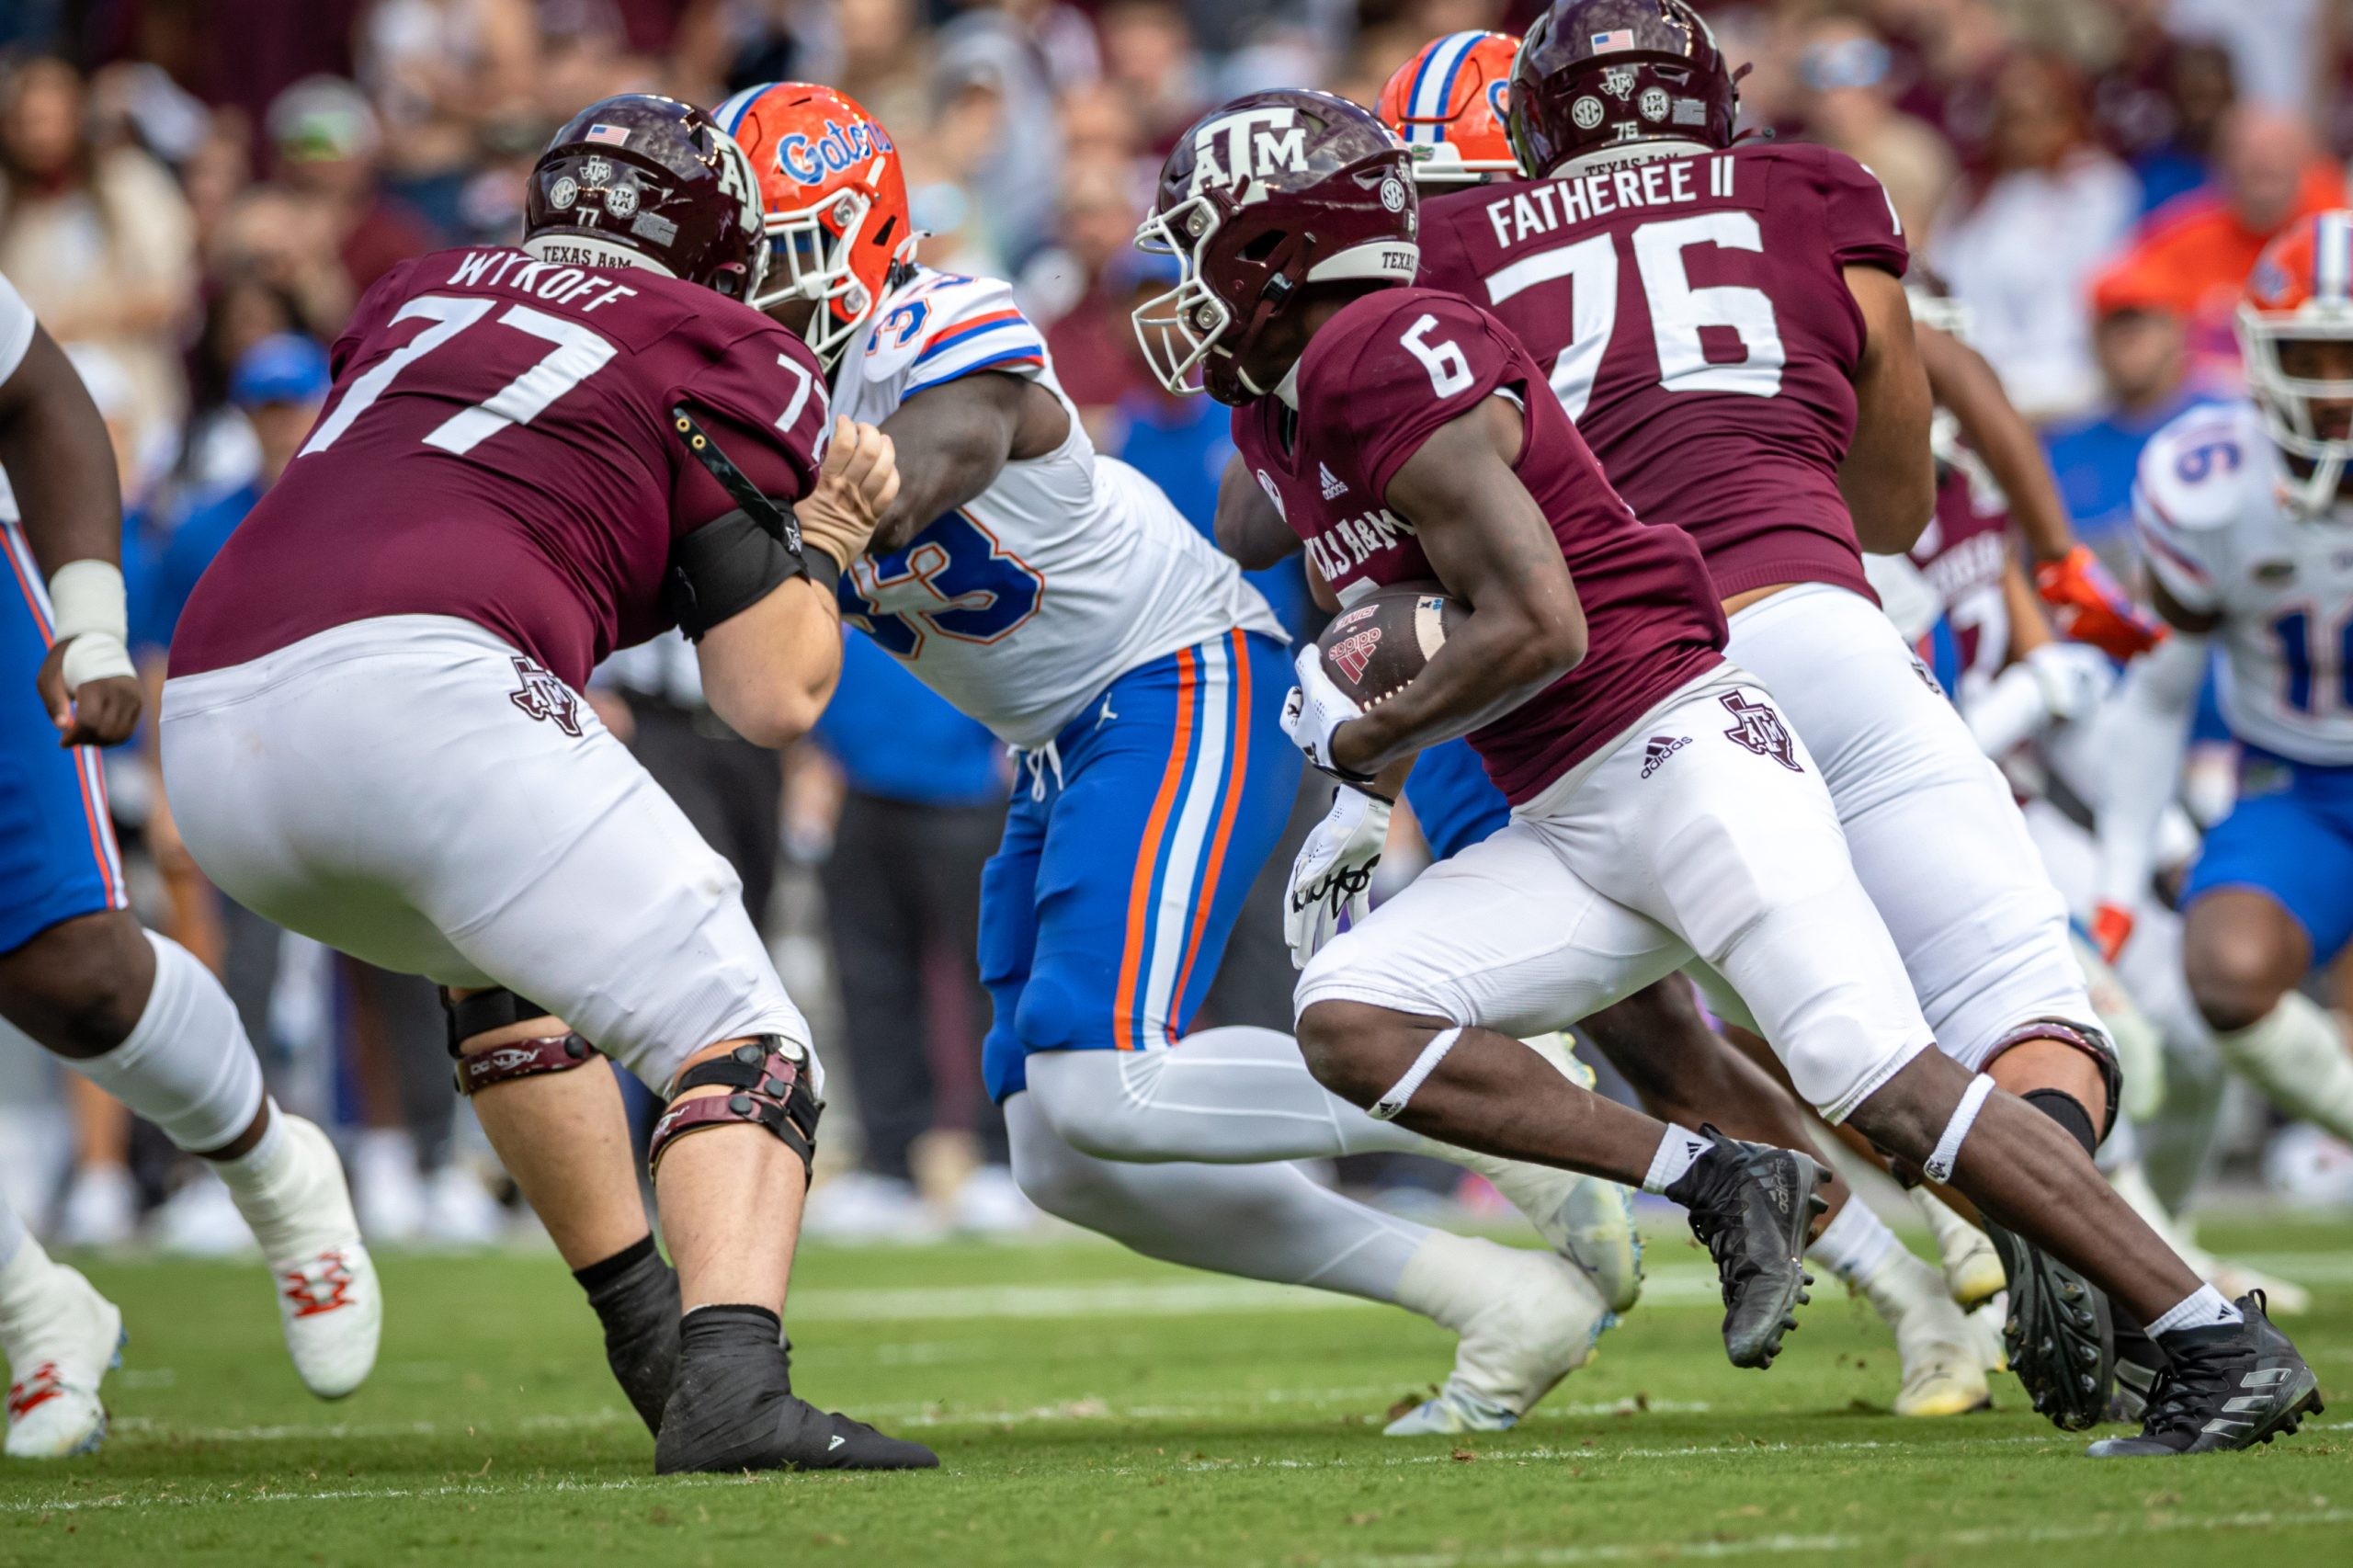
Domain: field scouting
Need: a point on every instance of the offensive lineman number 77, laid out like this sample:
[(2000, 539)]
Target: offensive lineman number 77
[(578, 354)]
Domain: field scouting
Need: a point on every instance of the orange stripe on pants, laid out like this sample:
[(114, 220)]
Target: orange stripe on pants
[(1237, 775), (1123, 1010)]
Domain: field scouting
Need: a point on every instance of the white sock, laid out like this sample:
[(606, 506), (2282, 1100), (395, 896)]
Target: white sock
[(297, 1206), (2295, 1055), (255, 1165), (2202, 1308), (25, 1279), (1678, 1153), (13, 1237), (1263, 1221), (1854, 1243), (187, 1067)]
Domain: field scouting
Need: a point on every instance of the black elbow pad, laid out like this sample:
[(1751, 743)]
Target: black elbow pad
[(722, 569)]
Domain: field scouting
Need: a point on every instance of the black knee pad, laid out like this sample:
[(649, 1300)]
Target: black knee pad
[(2093, 1042), (2067, 1111), (771, 1090), (496, 1009)]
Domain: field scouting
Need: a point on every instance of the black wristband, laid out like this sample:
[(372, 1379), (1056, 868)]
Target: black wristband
[(722, 569), (820, 566)]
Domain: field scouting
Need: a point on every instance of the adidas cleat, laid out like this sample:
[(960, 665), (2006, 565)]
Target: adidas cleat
[(1752, 1205), (1537, 1323), (57, 1360), (2230, 1386), (2059, 1338)]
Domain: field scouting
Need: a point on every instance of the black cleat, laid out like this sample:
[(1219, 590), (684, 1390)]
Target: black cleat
[(2060, 1342), (733, 1408), (639, 1308), (1752, 1204), (2230, 1386)]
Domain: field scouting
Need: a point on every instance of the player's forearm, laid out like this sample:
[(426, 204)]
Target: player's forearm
[(769, 672), (1249, 528), (1494, 661), (1888, 478), (2143, 736), (2002, 440), (951, 442)]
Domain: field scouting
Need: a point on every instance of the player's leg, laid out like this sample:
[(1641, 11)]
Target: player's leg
[(2272, 895), (60, 1337), (1938, 844), (1684, 1072), (1413, 1016), (136, 1014)]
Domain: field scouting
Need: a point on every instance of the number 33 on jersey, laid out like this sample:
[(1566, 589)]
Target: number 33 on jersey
[(1068, 571)]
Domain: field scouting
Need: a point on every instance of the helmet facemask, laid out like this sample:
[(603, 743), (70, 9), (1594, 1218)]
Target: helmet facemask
[(813, 256), (1180, 327), (2288, 403)]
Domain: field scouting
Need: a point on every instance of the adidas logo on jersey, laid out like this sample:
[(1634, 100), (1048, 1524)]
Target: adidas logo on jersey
[(1333, 486), (1658, 749)]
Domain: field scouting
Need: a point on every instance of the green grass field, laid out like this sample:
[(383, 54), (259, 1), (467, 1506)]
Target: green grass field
[(1090, 1407)]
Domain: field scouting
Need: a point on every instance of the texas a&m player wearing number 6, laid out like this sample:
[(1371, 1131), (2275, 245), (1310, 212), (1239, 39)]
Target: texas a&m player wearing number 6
[(374, 732), (1406, 434)]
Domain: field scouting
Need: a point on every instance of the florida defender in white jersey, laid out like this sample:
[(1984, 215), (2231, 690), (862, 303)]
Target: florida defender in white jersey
[(2246, 526), (1060, 599)]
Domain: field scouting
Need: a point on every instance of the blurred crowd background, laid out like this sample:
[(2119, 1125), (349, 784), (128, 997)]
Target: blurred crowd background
[(194, 192)]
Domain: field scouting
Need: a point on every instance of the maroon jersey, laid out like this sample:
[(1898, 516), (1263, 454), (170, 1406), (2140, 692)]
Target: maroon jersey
[(1691, 313), (499, 447), (1962, 552), (1381, 378)]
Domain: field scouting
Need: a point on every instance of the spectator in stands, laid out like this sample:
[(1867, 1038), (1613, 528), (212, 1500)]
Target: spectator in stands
[(329, 147), (1846, 68), (922, 810), (2021, 239), (2145, 382), (992, 129), (1078, 287), (1148, 60), (2201, 247), (96, 238)]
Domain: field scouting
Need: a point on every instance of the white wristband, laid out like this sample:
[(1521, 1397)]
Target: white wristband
[(88, 605)]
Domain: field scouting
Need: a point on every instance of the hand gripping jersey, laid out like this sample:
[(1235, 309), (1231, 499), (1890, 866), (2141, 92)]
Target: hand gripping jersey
[(1691, 313), (1377, 382), (1070, 570), (499, 447), (2218, 531)]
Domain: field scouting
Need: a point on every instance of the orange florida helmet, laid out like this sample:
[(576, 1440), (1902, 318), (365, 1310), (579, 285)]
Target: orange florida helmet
[(836, 201), (2302, 291), (1446, 104)]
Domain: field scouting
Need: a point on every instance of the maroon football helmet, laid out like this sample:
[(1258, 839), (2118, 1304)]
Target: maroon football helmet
[(1272, 192), (644, 181), (1595, 74)]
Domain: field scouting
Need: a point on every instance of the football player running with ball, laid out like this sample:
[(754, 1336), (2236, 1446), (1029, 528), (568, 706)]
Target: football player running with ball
[(1663, 812), (372, 731), (1727, 325)]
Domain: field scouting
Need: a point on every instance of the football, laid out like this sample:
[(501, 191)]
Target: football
[(1377, 645)]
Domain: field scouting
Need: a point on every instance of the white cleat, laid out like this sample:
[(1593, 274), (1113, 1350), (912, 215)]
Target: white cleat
[(1985, 1332), (2282, 1297), (1944, 1369), (1586, 1219), (1973, 1271), (1536, 1324), (329, 1298), (55, 1364)]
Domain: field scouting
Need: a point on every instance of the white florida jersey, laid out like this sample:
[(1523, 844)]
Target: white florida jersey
[(1066, 573), (2218, 531)]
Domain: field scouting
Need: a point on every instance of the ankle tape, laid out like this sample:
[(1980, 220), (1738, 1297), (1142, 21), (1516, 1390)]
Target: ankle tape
[(772, 1091), (1386, 1108), (1938, 1169)]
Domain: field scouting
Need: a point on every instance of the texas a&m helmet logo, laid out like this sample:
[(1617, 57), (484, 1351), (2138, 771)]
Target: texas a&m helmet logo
[(1761, 731), (1242, 150)]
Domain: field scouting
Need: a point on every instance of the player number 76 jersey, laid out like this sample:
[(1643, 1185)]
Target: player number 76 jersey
[(1070, 570), (2217, 529)]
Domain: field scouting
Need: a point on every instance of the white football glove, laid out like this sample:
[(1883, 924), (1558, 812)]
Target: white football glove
[(2076, 678), (1332, 876), (1314, 709)]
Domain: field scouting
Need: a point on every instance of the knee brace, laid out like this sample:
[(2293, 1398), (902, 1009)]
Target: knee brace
[(2085, 1037), (499, 1008), (770, 1089)]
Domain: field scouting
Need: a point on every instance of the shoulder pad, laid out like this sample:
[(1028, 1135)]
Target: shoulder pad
[(2202, 470), (941, 316)]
